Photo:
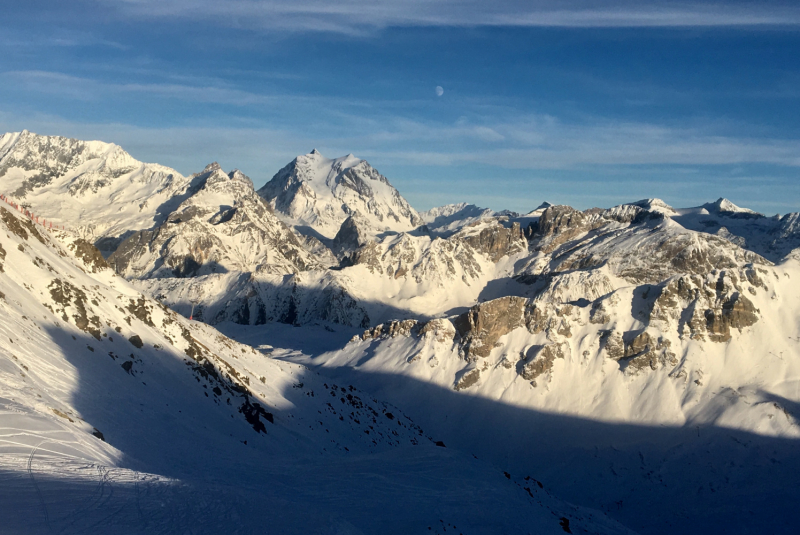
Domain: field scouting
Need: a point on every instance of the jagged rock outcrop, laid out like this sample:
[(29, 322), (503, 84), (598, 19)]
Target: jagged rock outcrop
[(392, 329), (482, 326), (495, 241), (559, 224), (646, 351), (540, 359), (635, 244), (698, 307), (464, 256), (467, 379)]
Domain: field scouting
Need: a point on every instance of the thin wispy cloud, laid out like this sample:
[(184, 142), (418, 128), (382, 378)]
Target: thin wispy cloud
[(90, 89), (354, 16), (208, 91), (527, 142)]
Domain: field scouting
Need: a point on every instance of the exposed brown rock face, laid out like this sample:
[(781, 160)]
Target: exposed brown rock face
[(709, 306), (483, 325), (369, 255), (599, 315), (543, 316), (560, 224), (392, 329), (735, 311), (613, 346), (89, 254), (497, 241), (467, 380), (646, 352), (541, 358)]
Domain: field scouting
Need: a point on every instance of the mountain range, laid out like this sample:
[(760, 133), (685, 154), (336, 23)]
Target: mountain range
[(639, 361)]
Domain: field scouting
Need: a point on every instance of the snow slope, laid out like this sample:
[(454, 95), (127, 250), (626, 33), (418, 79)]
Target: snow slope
[(706, 429)]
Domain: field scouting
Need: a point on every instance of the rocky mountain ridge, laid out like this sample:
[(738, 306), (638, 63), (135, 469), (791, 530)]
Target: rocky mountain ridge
[(222, 226)]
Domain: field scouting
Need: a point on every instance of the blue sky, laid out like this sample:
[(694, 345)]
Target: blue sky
[(581, 103)]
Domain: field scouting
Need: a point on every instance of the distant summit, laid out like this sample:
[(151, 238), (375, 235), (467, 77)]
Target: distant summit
[(724, 205), (317, 193)]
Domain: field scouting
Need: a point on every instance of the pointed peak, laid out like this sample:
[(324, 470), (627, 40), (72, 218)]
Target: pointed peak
[(238, 176), (724, 205), (213, 166), (315, 155)]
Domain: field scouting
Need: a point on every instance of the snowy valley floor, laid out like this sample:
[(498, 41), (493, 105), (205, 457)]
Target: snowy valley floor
[(651, 478)]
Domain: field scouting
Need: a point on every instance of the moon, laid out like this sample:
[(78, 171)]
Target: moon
[(439, 91)]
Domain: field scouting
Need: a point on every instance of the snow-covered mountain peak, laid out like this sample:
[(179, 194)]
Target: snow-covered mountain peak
[(724, 205), (41, 160), (213, 186), (538, 211), (444, 220), (238, 175), (220, 226), (447, 210), (212, 167), (318, 193), (95, 188), (655, 205)]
